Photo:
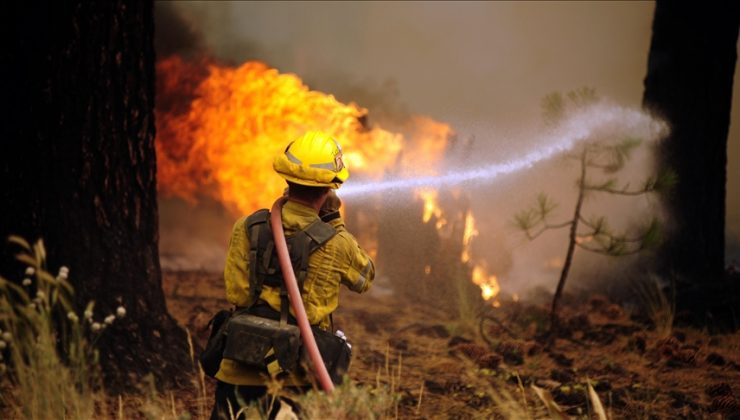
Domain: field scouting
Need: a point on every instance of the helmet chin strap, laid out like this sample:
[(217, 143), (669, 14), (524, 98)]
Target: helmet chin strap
[(294, 295)]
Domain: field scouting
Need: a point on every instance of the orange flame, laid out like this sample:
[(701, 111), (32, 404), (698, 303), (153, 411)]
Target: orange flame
[(236, 120), (431, 207), (469, 233), (488, 284)]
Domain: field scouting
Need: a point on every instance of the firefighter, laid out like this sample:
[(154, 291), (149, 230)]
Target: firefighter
[(313, 167)]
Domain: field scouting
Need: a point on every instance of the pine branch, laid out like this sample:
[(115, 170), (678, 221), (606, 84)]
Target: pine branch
[(547, 227), (633, 240), (602, 166), (599, 226), (607, 251), (624, 191)]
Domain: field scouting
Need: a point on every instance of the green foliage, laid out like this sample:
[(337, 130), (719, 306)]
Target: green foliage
[(528, 219), (665, 181), (652, 235), (620, 153), (545, 206), (583, 96), (553, 108), (525, 219), (605, 185), (609, 158)]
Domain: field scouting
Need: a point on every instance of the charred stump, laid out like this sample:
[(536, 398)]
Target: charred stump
[(78, 169)]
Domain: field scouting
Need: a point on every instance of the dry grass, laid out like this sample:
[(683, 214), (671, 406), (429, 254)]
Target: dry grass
[(658, 303), (48, 359), (352, 401), (52, 366)]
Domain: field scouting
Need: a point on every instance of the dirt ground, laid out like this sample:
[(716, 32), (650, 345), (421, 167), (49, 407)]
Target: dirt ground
[(459, 373)]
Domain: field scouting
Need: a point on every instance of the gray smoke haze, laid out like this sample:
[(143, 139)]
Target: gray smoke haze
[(482, 67)]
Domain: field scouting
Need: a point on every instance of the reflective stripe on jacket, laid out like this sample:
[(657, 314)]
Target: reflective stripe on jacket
[(340, 260)]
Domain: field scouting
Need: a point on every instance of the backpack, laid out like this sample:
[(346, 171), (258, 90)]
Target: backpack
[(258, 336)]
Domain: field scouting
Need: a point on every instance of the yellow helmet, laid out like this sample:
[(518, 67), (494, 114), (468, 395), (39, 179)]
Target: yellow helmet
[(314, 159)]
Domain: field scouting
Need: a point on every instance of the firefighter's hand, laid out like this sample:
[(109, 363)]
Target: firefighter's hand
[(331, 205)]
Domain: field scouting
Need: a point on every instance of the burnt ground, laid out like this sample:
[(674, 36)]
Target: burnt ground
[(458, 372)]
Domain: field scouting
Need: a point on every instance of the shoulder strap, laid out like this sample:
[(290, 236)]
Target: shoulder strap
[(320, 232), (306, 242), (258, 229)]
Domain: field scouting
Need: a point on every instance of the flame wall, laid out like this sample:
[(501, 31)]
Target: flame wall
[(223, 141)]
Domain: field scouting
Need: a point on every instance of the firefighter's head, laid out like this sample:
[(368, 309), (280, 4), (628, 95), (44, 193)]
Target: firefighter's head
[(312, 160)]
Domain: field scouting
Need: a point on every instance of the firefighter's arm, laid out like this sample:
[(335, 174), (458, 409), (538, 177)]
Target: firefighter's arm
[(236, 269), (360, 271)]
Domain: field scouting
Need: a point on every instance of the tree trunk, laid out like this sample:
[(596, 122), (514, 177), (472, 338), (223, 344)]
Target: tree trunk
[(78, 169), (689, 84), (572, 239)]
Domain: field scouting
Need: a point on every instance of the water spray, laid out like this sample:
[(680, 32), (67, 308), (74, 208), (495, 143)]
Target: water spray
[(581, 126)]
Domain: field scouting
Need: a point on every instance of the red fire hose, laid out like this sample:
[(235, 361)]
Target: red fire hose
[(294, 295)]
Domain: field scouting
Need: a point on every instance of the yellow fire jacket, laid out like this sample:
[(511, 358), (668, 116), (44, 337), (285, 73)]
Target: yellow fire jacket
[(340, 260)]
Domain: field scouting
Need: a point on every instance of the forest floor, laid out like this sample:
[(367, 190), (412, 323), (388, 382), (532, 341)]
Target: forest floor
[(445, 368)]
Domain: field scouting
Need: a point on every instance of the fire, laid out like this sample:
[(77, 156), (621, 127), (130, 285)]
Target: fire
[(222, 141), (488, 284), (431, 207), (425, 142), (219, 128), (468, 234)]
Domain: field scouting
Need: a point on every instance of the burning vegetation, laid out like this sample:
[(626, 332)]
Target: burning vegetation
[(219, 127)]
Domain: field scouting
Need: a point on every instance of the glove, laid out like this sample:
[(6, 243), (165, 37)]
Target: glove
[(330, 209)]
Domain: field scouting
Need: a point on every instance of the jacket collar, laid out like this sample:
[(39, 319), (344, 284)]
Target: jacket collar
[(300, 209)]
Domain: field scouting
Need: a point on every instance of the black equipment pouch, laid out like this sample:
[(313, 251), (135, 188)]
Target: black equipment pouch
[(335, 352), (257, 342), (210, 358)]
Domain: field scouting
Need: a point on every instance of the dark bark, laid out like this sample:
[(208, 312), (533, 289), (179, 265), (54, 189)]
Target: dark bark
[(78, 169), (689, 84)]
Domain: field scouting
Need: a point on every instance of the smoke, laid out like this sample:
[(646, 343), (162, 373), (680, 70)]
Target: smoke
[(193, 237), (482, 67), (540, 160), (588, 124), (175, 34)]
